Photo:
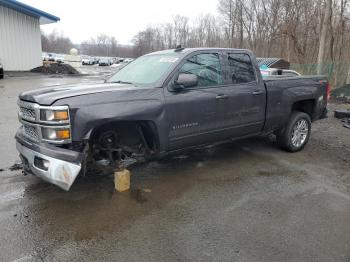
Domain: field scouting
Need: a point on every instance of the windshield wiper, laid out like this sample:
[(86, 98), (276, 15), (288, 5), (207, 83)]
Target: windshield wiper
[(122, 82)]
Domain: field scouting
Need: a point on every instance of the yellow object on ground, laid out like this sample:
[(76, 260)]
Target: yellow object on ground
[(122, 180)]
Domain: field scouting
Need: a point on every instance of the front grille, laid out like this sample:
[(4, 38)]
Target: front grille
[(27, 113), (27, 110), (31, 132)]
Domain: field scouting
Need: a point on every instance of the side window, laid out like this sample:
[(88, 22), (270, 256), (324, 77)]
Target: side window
[(206, 67), (241, 69)]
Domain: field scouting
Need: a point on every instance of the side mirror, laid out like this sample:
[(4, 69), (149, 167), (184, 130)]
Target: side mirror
[(185, 80)]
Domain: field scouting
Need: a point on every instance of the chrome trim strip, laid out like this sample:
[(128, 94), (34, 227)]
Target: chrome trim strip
[(54, 108)]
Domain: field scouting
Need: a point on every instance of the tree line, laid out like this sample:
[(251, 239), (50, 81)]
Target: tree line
[(101, 45), (300, 31), (312, 34)]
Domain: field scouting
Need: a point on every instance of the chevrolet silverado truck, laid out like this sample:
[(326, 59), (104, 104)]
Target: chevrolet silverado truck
[(161, 103)]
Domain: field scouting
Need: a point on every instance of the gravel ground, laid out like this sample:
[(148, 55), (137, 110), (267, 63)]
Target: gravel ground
[(244, 201)]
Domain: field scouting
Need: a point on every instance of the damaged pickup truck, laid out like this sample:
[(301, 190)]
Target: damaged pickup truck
[(162, 103)]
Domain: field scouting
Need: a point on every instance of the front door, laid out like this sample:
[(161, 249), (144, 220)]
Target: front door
[(192, 113)]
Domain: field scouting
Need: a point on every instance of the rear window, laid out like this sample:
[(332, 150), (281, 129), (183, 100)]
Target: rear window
[(241, 68)]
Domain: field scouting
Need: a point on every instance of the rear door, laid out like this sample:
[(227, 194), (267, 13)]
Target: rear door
[(244, 112)]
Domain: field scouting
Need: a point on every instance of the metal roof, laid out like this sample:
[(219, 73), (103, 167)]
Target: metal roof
[(273, 62), (267, 61), (44, 18)]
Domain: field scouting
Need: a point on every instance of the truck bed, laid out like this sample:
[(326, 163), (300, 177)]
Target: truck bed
[(284, 91)]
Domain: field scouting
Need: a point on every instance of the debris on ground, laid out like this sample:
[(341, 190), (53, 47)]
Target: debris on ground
[(2, 170), (346, 123), (344, 115), (16, 166), (55, 68)]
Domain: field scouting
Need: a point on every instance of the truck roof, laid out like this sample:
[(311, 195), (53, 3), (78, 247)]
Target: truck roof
[(190, 50)]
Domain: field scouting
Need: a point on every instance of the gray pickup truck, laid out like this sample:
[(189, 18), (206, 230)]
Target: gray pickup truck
[(163, 102)]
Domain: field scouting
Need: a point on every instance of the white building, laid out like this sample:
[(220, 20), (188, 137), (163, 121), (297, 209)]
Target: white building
[(20, 38)]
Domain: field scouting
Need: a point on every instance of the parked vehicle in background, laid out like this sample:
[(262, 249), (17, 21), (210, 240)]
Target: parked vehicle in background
[(59, 58), (1, 70), (50, 57), (164, 102), (104, 62), (88, 61), (128, 60), (44, 56), (278, 72)]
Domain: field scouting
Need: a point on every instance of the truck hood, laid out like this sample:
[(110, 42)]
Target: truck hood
[(49, 95)]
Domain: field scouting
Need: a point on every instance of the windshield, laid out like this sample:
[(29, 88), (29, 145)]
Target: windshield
[(145, 70)]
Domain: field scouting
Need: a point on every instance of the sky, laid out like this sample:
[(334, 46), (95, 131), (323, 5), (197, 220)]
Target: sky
[(82, 19)]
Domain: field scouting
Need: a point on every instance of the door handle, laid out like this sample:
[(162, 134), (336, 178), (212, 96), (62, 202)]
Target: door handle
[(221, 96), (257, 92)]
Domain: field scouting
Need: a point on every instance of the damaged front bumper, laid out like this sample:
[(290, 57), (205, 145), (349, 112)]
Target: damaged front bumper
[(55, 165)]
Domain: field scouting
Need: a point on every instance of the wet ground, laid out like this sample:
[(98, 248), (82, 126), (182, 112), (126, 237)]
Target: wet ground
[(244, 201)]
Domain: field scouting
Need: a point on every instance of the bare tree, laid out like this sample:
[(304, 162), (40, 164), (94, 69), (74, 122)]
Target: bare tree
[(104, 45), (325, 26), (55, 42)]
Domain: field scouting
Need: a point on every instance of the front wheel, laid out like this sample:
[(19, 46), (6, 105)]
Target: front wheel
[(296, 134)]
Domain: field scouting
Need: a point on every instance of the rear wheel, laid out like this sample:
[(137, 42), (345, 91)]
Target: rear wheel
[(296, 134)]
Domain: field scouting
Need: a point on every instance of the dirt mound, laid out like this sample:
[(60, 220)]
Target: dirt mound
[(55, 68)]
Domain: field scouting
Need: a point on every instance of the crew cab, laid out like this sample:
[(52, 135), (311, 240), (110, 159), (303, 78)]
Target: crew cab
[(161, 103)]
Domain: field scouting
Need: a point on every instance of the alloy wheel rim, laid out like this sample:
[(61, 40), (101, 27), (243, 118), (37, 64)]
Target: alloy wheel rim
[(300, 132)]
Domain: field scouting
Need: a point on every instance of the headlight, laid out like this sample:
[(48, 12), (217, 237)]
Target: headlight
[(60, 114), (55, 134)]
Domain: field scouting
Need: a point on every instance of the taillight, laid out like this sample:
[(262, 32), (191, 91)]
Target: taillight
[(328, 91)]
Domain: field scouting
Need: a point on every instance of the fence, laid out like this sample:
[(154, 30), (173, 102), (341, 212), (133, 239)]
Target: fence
[(338, 73)]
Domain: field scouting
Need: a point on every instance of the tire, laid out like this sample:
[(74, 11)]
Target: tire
[(342, 114), (296, 133)]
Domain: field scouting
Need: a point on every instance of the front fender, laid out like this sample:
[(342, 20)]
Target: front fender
[(87, 118), (92, 111)]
